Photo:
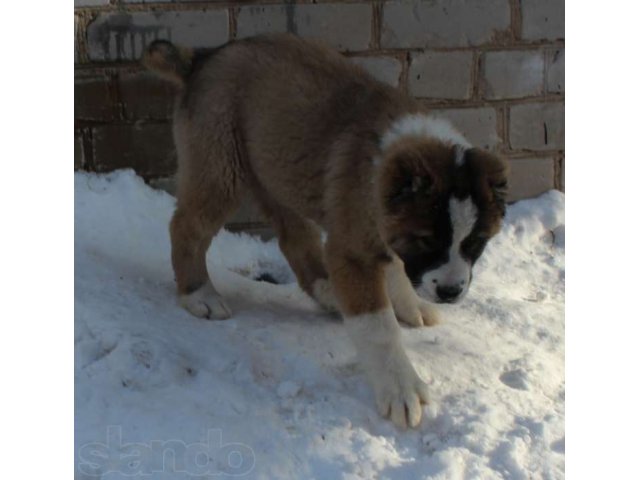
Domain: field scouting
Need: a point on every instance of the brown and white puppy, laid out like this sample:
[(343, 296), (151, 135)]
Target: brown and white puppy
[(407, 204)]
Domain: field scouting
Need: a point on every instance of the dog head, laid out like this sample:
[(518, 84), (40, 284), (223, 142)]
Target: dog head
[(441, 202)]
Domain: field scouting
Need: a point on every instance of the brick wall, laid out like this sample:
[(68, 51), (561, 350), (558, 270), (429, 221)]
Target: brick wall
[(495, 68)]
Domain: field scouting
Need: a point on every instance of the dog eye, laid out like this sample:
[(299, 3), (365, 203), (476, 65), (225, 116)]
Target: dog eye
[(425, 242)]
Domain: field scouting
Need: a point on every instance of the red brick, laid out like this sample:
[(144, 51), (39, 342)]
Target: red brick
[(144, 96), (78, 152), (147, 148), (94, 99)]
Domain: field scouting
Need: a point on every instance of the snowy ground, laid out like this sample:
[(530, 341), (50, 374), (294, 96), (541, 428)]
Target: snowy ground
[(275, 392)]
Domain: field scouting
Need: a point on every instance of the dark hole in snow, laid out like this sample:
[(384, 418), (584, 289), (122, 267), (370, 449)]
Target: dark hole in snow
[(266, 277), (515, 379), (558, 446)]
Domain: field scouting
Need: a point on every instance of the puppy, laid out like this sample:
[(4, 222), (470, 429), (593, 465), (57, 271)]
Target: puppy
[(407, 203)]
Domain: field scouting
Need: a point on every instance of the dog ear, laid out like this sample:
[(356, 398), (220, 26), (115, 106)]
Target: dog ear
[(499, 191), (497, 178), (494, 170)]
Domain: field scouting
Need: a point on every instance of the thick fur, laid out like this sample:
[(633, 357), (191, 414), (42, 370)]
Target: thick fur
[(321, 145)]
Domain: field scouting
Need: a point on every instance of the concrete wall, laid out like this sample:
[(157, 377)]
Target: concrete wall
[(495, 68)]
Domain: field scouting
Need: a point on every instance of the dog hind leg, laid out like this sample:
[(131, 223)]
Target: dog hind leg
[(208, 192)]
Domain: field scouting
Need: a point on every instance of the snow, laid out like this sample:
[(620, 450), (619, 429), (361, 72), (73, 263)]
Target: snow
[(275, 392)]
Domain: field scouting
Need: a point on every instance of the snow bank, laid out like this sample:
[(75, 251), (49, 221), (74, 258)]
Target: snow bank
[(275, 391)]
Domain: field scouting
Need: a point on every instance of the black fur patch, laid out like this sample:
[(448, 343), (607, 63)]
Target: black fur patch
[(193, 288), (421, 254), (473, 246)]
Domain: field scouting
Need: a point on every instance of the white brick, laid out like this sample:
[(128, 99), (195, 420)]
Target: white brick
[(255, 19), (343, 26), (441, 75), (537, 126), (478, 125), (513, 73), (542, 19), (385, 69), (90, 3), (555, 71), (560, 173), (443, 23), (123, 36), (530, 177)]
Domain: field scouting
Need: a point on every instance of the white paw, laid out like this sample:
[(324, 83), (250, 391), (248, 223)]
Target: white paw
[(323, 293), (429, 313), (400, 393), (419, 314), (409, 315), (205, 303), (408, 306)]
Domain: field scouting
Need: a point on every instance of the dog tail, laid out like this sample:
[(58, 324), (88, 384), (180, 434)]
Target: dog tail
[(171, 62)]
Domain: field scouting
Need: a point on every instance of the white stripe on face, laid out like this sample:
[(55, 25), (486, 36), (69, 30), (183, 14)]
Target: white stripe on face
[(463, 216), (460, 155), (457, 271)]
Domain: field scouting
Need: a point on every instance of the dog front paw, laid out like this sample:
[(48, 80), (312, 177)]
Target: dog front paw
[(428, 313), (422, 314), (400, 394), (399, 391), (323, 294), (205, 303)]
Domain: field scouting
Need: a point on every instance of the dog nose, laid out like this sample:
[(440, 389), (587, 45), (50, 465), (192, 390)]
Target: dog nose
[(448, 294)]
